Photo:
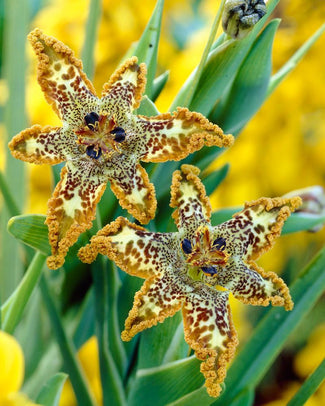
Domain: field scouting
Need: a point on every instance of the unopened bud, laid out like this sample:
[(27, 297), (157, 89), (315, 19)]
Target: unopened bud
[(313, 202), (240, 16)]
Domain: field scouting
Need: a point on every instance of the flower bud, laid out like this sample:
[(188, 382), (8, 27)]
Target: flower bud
[(240, 16), (313, 202)]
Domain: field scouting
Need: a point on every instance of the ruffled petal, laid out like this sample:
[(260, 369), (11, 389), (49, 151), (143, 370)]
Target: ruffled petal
[(253, 230), (158, 298), (42, 145), (250, 284), (135, 250), (72, 209), (124, 90), (130, 184), (210, 332), (188, 196), (173, 137), (66, 87)]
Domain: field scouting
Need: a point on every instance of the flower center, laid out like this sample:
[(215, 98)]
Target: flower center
[(204, 252), (100, 134)]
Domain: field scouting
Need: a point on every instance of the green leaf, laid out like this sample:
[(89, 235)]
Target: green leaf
[(153, 343), (31, 230), (249, 88), (51, 392), (88, 49), (147, 47), (14, 72), (72, 365), (245, 398), (290, 65), (269, 337), (158, 84), (197, 74), (197, 397), (147, 107), (213, 179), (12, 309), (302, 222), (167, 383), (220, 70), (309, 386)]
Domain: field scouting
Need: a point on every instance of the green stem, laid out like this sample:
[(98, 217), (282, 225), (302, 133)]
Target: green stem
[(72, 366), (12, 208), (87, 54), (309, 386), (189, 96), (13, 308)]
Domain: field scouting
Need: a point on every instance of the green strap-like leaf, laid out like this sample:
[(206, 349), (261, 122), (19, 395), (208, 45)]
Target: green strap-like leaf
[(165, 384), (249, 88), (88, 49), (198, 397), (147, 47), (158, 84), (12, 309), (51, 392), (272, 332), (290, 65), (31, 230), (213, 179), (72, 365), (309, 386)]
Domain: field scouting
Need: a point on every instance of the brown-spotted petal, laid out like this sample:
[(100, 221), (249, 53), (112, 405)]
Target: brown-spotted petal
[(72, 208), (188, 196), (66, 87), (135, 250), (130, 184), (158, 298), (42, 145), (174, 136), (253, 231), (123, 92), (210, 332), (251, 284)]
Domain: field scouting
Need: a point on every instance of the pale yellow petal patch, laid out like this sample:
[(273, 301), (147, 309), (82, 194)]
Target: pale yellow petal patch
[(71, 210), (188, 196)]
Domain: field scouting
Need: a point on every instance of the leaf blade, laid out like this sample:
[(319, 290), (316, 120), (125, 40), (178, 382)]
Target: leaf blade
[(51, 392)]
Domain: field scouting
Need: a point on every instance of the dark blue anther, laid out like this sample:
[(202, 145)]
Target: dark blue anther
[(186, 246), (91, 119), (210, 270), (119, 134), (92, 152), (219, 243)]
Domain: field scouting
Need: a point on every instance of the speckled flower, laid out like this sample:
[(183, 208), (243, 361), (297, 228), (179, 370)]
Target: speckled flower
[(102, 141), (197, 267)]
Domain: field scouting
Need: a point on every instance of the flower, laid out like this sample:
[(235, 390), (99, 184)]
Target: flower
[(102, 140), (11, 372), (240, 16), (196, 268)]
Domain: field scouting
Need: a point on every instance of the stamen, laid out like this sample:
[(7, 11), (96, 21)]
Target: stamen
[(93, 153), (209, 270), (186, 246), (91, 119), (219, 244), (119, 134)]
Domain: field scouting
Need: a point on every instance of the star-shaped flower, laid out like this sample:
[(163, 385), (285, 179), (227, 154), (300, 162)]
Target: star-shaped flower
[(102, 141), (195, 268)]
